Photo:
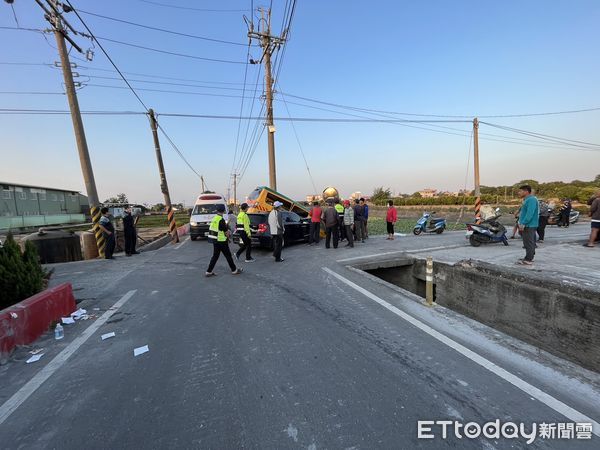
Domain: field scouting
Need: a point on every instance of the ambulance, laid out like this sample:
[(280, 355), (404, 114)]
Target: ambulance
[(205, 209)]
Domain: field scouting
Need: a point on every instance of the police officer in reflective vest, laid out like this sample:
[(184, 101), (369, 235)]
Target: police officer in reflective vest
[(218, 233), (243, 229), (340, 210)]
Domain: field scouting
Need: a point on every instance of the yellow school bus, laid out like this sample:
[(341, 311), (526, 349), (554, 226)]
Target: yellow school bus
[(262, 198)]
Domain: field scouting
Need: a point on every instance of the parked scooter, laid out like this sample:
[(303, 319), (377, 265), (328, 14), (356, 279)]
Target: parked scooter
[(488, 231), (427, 224), (554, 218)]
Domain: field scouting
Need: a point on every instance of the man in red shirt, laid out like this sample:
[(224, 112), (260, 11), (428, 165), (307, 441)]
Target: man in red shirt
[(315, 224)]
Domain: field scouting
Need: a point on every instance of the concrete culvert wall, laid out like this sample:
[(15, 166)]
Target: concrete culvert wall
[(559, 318)]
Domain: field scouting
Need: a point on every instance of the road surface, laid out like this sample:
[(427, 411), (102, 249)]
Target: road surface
[(304, 354)]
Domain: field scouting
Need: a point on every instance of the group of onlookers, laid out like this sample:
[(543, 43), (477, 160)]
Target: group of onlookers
[(343, 222)]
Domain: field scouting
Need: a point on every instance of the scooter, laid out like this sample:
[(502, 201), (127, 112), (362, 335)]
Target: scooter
[(488, 231), (554, 218), (428, 224)]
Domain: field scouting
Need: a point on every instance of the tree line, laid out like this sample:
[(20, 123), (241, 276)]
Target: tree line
[(577, 190)]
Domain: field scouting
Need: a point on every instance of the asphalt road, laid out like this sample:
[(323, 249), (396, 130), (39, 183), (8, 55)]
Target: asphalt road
[(283, 356)]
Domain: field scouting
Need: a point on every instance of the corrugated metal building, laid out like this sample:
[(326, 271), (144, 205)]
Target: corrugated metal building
[(22, 205)]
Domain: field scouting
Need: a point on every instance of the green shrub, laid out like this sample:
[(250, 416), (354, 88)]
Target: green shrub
[(21, 274)]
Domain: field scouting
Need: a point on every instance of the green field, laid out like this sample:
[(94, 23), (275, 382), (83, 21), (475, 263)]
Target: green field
[(160, 220), (377, 225)]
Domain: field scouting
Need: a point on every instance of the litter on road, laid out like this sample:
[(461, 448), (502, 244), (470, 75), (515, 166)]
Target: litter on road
[(140, 350), (67, 320), (78, 314), (108, 335), (36, 351), (34, 358)]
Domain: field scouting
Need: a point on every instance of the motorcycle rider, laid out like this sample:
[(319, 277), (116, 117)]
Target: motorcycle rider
[(565, 212)]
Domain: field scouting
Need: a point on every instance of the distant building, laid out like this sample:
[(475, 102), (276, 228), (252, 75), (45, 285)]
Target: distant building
[(22, 205), (428, 193), (356, 195)]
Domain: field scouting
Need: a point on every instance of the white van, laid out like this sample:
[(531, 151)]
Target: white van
[(205, 209)]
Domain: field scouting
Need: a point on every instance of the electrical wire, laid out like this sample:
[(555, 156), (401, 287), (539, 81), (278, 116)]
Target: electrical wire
[(237, 137), (542, 136), (164, 91), (163, 30), (299, 144), (188, 8), (166, 52), (168, 83), (131, 88)]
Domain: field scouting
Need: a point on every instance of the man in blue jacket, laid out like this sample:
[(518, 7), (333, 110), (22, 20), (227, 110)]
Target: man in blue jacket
[(528, 223)]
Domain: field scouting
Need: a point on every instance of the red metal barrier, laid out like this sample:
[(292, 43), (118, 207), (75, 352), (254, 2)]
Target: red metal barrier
[(24, 322)]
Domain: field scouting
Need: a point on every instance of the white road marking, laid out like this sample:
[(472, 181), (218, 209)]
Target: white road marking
[(178, 246), (32, 385), (538, 394), (421, 250)]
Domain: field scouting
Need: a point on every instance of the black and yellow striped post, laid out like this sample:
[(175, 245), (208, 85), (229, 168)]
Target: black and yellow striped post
[(172, 224), (95, 212), (476, 171)]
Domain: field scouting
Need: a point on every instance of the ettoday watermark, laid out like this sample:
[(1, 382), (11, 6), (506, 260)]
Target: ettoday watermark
[(434, 429)]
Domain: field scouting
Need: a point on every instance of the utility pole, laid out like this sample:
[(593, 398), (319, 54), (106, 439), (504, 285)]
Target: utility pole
[(269, 44), (476, 171), (203, 185), (235, 175), (60, 25), (164, 187)]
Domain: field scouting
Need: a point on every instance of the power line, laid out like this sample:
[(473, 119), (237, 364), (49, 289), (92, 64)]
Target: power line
[(188, 8), (166, 52), (163, 30), (168, 83), (165, 91), (130, 87), (237, 137), (540, 135), (31, 93)]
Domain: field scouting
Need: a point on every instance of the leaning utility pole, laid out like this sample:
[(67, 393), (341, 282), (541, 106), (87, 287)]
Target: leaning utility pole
[(164, 187), (476, 171), (59, 25), (269, 44)]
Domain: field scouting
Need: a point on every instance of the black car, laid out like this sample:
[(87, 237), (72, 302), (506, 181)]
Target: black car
[(296, 229)]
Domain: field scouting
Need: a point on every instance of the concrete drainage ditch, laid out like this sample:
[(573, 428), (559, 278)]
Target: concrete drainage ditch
[(560, 318)]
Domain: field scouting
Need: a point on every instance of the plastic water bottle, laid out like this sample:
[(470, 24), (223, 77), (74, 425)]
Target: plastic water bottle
[(59, 332)]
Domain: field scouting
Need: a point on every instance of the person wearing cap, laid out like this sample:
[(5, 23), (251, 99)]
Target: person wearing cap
[(348, 223), (277, 228), (243, 229), (219, 234)]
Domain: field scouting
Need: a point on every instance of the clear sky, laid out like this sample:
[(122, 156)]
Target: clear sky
[(437, 57)]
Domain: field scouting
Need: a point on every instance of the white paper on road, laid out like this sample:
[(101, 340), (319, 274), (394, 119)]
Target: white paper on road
[(36, 351), (77, 314), (67, 320), (140, 350), (400, 234), (108, 335), (34, 358)]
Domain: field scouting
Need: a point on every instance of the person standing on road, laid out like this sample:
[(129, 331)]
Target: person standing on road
[(219, 234), (516, 227), (277, 229), (331, 219), (315, 224), (348, 223), (544, 214), (565, 213), (595, 214), (528, 223), (340, 210), (108, 231), (365, 217), (129, 233), (358, 221), (243, 229), (391, 217)]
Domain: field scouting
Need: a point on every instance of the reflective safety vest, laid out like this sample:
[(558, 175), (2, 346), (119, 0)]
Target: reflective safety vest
[(213, 231), (243, 223), (339, 208)]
